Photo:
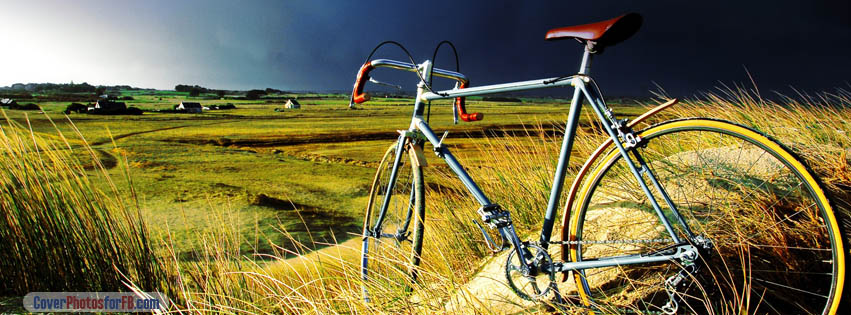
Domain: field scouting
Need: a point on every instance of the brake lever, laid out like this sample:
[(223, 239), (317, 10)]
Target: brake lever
[(455, 108), (373, 80)]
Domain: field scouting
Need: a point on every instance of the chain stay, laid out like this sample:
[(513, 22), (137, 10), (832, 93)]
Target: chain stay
[(670, 284)]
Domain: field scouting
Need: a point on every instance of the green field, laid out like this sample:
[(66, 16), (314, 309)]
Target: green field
[(259, 164), (255, 209)]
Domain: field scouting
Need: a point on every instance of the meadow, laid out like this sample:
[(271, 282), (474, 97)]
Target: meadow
[(252, 210), (261, 164)]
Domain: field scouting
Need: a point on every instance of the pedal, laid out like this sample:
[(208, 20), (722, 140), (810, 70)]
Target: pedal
[(494, 216), (491, 245)]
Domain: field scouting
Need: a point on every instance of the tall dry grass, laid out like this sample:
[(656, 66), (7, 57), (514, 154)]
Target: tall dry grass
[(816, 127), (61, 231), (516, 172)]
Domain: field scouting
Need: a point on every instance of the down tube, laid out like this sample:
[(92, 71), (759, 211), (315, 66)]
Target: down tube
[(453, 164)]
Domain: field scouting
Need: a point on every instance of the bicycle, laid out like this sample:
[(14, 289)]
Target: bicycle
[(691, 214)]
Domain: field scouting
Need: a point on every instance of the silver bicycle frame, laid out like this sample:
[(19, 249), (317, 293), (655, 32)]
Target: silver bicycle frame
[(582, 91)]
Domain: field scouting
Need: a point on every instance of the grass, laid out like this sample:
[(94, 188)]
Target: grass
[(326, 281), (60, 231), (222, 249), (320, 157)]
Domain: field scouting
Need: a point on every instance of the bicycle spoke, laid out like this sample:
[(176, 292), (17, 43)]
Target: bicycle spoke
[(784, 271), (790, 288), (392, 270), (784, 220), (765, 233)]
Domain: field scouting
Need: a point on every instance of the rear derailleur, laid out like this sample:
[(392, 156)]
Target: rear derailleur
[(690, 267)]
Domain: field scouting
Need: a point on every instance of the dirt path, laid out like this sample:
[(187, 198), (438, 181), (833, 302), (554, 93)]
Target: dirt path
[(338, 137), (136, 133), (488, 290)]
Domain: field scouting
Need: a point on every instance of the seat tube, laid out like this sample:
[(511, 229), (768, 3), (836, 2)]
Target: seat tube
[(564, 155)]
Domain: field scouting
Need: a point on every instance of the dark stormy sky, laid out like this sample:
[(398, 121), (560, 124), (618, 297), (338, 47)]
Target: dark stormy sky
[(684, 46)]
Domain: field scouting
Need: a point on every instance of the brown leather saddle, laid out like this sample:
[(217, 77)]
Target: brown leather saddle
[(602, 34)]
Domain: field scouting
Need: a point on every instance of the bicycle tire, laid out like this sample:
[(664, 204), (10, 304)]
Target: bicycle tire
[(389, 266), (807, 255)]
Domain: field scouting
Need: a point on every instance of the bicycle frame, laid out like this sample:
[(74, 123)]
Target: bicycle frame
[(620, 134)]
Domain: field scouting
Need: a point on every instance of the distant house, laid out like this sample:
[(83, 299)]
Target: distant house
[(8, 102), (189, 107), (292, 104), (105, 106)]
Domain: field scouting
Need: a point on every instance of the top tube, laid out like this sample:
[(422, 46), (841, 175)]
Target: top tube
[(387, 63)]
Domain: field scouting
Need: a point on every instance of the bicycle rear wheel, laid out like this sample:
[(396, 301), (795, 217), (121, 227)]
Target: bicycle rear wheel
[(776, 243), (391, 252)]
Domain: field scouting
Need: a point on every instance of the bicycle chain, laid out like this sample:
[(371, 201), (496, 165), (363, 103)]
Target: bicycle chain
[(627, 311), (648, 241)]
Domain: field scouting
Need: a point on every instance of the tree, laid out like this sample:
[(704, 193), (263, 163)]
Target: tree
[(273, 91), (254, 94), (189, 88)]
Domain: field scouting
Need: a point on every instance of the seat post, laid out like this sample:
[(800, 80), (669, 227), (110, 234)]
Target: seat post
[(585, 68)]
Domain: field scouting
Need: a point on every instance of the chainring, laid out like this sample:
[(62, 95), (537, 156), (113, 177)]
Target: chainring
[(527, 279)]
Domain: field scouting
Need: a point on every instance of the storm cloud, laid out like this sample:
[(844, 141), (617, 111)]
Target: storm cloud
[(683, 46)]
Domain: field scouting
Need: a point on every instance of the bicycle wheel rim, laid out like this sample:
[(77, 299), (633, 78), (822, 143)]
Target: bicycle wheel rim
[(389, 266), (830, 231)]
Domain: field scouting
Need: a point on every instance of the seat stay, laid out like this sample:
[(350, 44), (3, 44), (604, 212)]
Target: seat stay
[(592, 95)]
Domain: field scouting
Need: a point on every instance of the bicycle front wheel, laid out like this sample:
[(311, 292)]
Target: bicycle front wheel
[(776, 245), (393, 238)]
